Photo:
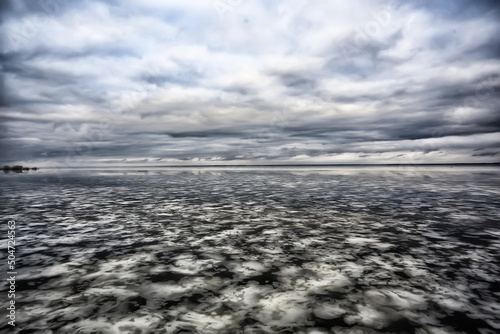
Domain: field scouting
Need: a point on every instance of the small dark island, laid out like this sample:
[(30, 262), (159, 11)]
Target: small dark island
[(17, 169)]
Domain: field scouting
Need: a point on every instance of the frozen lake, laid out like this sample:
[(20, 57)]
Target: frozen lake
[(255, 250)]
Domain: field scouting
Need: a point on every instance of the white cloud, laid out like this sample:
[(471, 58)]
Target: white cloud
[(324, 81)]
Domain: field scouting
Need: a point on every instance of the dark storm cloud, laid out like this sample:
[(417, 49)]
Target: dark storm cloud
[(485, 154), (249, 82)]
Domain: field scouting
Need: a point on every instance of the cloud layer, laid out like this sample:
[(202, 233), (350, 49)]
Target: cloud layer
[(238, 81)]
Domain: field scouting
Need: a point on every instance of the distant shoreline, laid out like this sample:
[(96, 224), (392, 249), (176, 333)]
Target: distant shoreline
[(493, 164), (18, 169)]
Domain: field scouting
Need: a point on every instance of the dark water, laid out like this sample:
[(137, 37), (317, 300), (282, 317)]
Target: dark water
[(344, 250)]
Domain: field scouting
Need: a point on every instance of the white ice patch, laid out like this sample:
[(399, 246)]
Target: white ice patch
[(329, 311), (281, 309), (369, 316), (210, 323), (361, 241), (246, 297), (397, 299), (328, 278), (246, 269), (190, 265), (353, 269)]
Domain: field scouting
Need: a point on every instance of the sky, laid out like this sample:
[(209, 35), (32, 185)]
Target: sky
[(153, 82)]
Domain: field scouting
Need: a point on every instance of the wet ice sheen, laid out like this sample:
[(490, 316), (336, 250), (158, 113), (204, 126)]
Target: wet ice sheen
[(257, 251)]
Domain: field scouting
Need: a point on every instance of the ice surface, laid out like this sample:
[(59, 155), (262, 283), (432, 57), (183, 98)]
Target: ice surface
[(256, 251)]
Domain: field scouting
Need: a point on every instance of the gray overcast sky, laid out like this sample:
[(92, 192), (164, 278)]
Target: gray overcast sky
[(240, 81)]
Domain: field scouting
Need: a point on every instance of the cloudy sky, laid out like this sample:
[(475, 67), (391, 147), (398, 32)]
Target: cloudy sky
[(248, 81)]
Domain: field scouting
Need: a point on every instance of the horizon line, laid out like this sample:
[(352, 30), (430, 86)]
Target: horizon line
[(286, 165)]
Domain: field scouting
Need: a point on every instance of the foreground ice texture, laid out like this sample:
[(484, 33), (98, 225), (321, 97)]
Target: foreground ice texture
[(413, 250)]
